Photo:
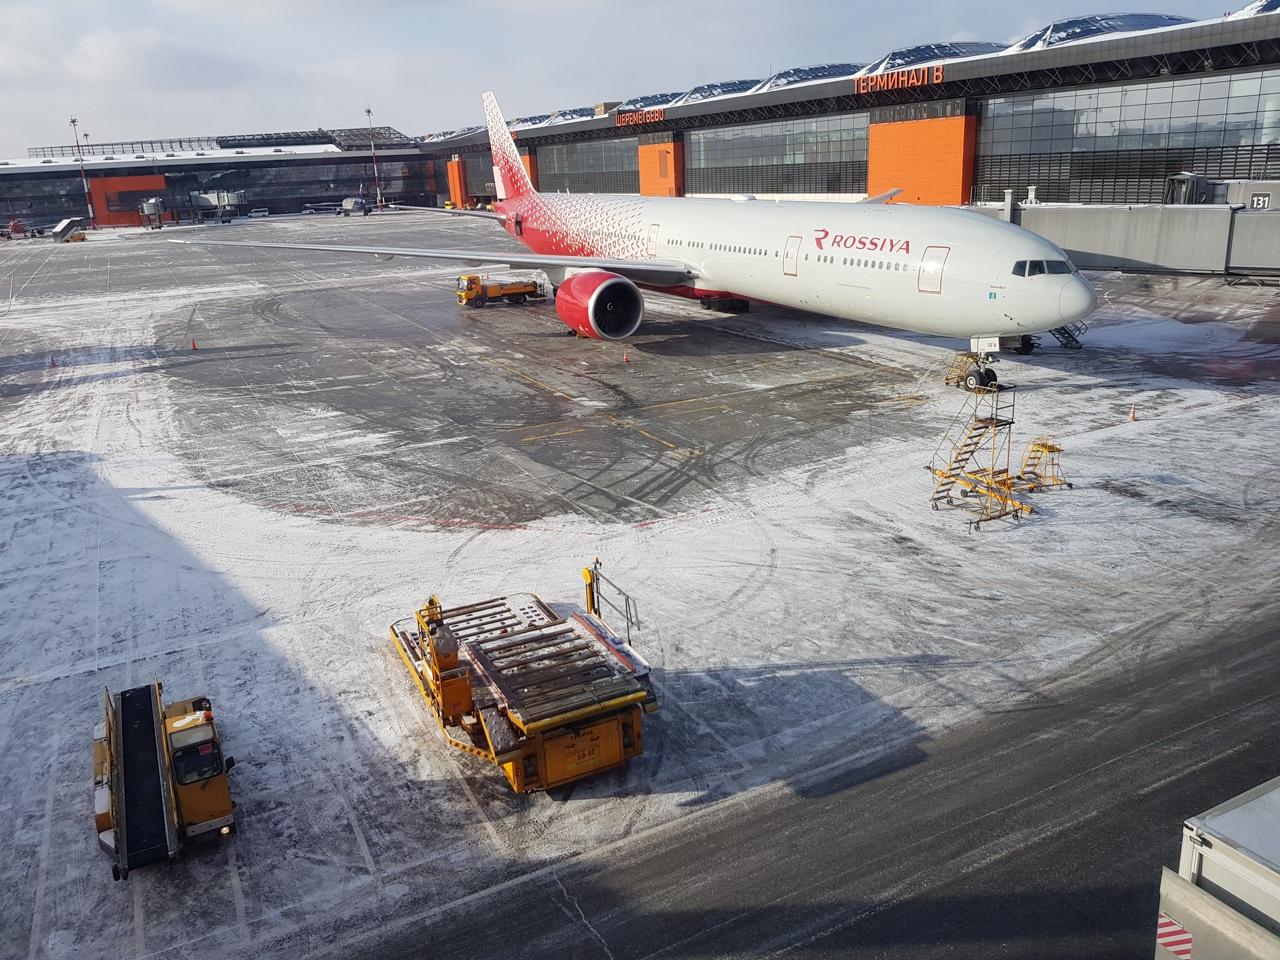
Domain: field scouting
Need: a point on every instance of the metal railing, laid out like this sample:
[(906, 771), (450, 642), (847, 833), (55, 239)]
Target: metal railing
[(611, 596)]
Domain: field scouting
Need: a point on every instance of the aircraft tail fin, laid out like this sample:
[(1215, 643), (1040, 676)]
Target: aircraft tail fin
[(511, 179)]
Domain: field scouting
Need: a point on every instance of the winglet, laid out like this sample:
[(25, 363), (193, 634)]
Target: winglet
[(511, 180), (883, 197)]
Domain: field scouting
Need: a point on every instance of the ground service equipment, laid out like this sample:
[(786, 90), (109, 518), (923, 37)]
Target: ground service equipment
[(548, 699), (1224, 901), (476, 291), (159, 777)]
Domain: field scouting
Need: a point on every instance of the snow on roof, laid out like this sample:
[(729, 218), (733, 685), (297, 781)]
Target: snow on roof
[(650, 101), (1257, 8), (929, 53), (573, 113), (725, 88), (1082, 28), (451, 134), (811, 74), (92, 162), (533, 121)]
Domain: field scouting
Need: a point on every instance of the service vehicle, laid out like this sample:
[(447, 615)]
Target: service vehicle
[(259, 212), (548, 699), (1223, 903), (476, 291), (159, 777), (18, 227)]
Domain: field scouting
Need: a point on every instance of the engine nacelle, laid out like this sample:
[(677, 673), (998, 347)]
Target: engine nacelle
[(600, 305)]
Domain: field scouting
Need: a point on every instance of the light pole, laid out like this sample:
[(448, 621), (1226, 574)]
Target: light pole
[(377, 183), (84, 177)]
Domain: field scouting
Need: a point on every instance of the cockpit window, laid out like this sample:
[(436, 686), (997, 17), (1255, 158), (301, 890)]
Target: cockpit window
[(1020, 268), (1058, 266), (200, 761), (1035, 268)]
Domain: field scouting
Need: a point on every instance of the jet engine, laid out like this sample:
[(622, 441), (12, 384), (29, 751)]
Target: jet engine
[(600, 305)]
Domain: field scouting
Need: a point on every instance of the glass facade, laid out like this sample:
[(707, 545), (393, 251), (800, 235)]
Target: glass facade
[(477, 169), (593, 166), (282, 186), (817, 155), (1117, 144)]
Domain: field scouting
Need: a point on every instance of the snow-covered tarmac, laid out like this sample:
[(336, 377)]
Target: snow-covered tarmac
[(244, 520)]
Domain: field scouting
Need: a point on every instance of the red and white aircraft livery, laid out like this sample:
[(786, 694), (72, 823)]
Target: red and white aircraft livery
[(926, 269)]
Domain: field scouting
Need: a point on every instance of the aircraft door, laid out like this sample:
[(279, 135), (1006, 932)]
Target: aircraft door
[(791, 256), (652, 248), (929, 278)]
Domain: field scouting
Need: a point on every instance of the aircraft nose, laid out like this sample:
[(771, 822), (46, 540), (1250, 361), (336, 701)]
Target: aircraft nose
[(1077, 300)]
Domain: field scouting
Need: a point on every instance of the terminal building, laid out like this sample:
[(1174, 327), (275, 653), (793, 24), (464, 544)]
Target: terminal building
[(1093, 109), (281, 172)]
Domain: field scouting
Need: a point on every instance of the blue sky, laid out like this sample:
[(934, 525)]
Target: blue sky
[(132, 69)]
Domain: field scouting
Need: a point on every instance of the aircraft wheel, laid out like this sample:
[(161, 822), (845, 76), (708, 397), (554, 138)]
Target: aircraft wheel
[(988, 376), (973, 380)]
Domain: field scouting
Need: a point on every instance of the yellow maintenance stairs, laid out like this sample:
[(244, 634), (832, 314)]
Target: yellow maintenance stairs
[(548, 699), (971, 463), (1041, 466)]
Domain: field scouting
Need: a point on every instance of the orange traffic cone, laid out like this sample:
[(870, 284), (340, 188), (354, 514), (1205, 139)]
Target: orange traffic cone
[(1133, 413), (193, 344), (626, 356)]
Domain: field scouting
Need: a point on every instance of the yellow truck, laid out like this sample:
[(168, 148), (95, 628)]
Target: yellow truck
[(159, 777), (476, 291), (548, 699)]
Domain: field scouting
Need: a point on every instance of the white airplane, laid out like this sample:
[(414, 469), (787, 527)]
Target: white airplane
[(924, 269)]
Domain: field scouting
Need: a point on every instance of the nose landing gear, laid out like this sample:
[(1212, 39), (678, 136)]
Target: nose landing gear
[(972, 371)]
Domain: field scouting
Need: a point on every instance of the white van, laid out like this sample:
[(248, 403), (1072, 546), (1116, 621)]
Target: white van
[(259, 212)]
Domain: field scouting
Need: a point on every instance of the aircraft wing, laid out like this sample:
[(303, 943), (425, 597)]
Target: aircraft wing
[(661, 273), (452, 212)]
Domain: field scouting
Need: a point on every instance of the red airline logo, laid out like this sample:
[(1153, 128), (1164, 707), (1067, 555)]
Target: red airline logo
[(824, 238)]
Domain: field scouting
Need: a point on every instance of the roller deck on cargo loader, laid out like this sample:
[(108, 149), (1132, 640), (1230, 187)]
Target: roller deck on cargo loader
[(547, 699), (159, 777)]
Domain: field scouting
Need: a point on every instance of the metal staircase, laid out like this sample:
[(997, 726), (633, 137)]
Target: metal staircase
[(1069, 334), (1041, 469), (971, 463)]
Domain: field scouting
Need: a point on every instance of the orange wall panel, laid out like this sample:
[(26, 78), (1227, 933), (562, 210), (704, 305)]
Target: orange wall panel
[(931, 160), (458, 183), (530, 162), (110, 209), (662, 169)]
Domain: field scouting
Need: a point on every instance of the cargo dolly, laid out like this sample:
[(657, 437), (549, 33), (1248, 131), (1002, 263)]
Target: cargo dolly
[(547, 699), (159, 777)]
